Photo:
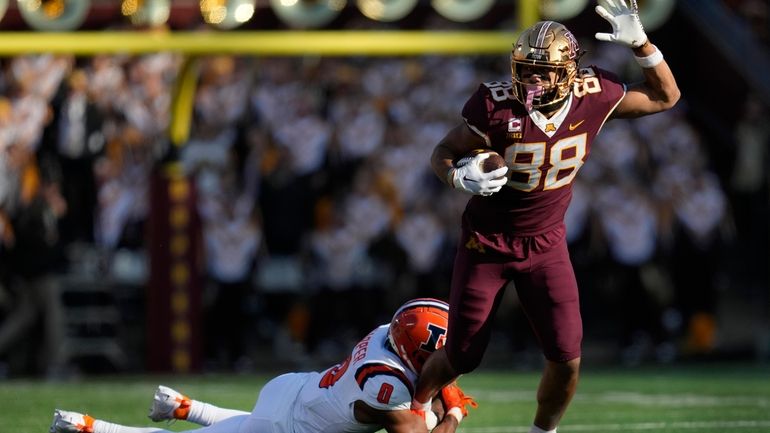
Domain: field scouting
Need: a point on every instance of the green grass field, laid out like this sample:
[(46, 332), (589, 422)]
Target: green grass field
[(716, 398)]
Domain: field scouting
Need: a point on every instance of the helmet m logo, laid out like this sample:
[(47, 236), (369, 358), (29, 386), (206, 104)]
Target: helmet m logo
[(437, 334), (574, 48)]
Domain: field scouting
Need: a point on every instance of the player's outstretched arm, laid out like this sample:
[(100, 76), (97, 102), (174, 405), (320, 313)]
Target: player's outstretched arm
[(403, 421), (659, 91), (393, 421), (451, 407), (407, 421)]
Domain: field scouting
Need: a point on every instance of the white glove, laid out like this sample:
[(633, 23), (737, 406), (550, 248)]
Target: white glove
[(468, 176), (626, 27)]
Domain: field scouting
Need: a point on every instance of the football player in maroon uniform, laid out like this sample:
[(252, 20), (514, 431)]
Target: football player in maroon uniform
[(543, 123)]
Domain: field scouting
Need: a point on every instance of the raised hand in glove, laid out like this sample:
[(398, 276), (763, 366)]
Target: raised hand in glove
[(455, 401), (470, 177), (626, 27)]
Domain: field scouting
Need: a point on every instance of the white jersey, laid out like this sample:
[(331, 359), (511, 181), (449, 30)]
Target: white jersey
[(373, 373)]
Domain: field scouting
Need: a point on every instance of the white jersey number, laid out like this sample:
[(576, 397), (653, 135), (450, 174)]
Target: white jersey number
[(587, 82), (529, 158), (500, 90)]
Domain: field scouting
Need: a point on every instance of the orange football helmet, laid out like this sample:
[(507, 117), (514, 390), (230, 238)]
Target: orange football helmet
[(417, 329)]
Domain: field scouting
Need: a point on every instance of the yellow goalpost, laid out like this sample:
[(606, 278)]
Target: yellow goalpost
[(272, 42), (262, 43)]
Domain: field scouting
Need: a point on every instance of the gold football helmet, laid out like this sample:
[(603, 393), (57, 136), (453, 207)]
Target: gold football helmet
[(545, 47)]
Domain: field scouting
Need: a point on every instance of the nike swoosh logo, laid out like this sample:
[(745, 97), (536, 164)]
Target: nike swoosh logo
[(572, 127)]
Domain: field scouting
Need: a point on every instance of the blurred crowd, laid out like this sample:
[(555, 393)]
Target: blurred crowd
[(755, 14), (319, 210)]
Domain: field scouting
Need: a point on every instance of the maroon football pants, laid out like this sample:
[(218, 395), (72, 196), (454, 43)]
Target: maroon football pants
[(542, 273)]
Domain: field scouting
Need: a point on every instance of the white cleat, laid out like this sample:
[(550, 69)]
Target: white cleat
[(71, 422), (168, 404)]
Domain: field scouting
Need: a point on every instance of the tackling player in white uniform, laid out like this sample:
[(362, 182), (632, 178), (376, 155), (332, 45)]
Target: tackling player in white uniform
[(370, 390)]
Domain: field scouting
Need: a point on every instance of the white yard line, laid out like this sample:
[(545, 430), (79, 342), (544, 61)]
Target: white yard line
[(642, 399), (681, 400)]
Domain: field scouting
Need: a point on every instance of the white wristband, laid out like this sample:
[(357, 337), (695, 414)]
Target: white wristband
[(419, 405), (457, 413), (650, 61)]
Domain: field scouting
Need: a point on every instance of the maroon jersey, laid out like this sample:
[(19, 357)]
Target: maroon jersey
[(543, 154)]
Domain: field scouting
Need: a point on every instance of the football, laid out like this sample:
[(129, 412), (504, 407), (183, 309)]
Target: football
[(492, 163)]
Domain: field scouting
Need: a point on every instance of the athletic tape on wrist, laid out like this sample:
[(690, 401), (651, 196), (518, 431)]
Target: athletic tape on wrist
[(457, 413), (650, 61)]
